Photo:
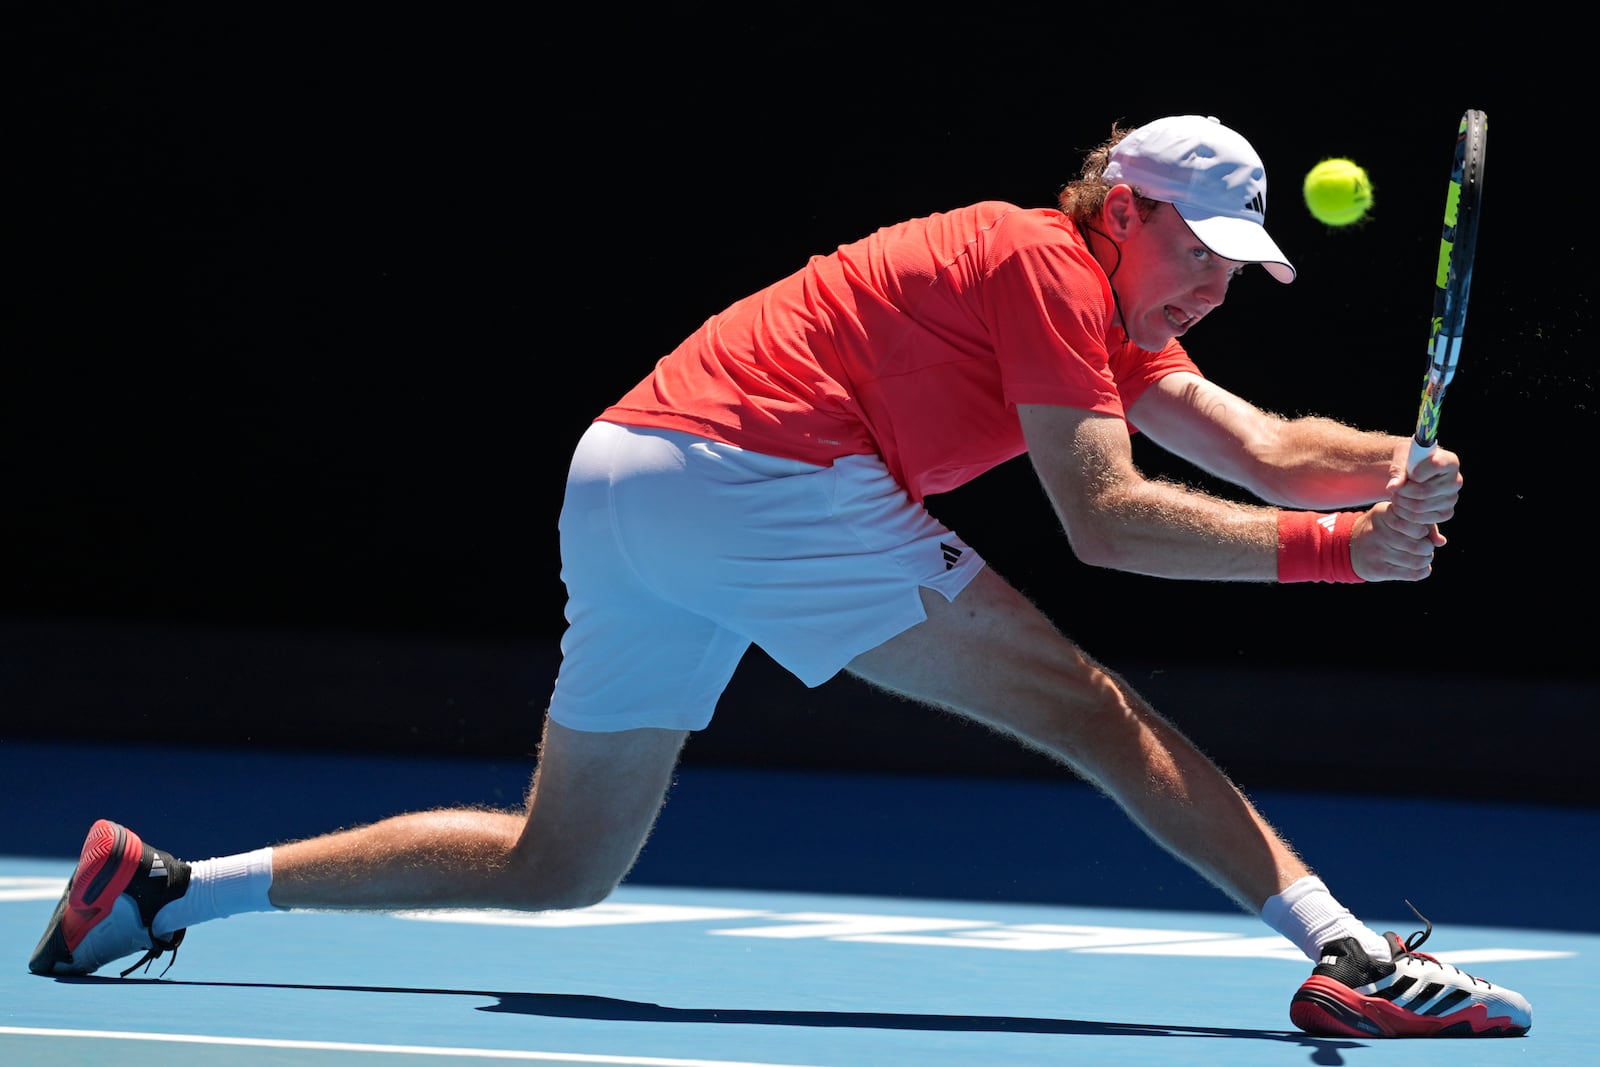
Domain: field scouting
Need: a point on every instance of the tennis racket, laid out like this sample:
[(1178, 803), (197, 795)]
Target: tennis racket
[(1452, 280)]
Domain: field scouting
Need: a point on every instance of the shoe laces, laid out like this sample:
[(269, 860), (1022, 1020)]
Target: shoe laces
[(1415, 941), (158, 947)]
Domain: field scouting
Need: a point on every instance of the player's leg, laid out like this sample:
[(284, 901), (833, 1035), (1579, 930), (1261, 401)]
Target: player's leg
[(592, 803), (992, 656), (637, 673), (593, 800)]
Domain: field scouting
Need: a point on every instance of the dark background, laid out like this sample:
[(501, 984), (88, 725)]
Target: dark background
[(304, 315)]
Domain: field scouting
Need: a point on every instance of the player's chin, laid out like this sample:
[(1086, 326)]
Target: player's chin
[(1155, 338)]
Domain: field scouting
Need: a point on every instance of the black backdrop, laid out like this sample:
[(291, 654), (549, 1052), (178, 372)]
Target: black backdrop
[(304, 316)]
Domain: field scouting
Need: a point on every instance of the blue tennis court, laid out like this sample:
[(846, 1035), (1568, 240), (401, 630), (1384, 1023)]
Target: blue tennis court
[(308, 317), (781, 918)]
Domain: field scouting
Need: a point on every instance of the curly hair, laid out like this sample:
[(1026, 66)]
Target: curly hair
[(1082, 198)]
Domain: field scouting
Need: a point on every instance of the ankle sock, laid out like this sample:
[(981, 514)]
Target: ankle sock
[(1309, 916), (219, 888)]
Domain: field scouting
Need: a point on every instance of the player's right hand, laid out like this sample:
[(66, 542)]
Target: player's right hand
[(1385, 547)]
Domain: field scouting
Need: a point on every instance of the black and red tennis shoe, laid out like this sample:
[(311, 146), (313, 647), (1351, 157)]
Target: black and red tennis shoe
[(1350, 994), (110, 901)]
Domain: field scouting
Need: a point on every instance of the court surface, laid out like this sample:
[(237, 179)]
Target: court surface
[(783, 919)]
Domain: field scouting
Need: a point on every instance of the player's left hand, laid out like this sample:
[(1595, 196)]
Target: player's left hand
[(1426, 496)]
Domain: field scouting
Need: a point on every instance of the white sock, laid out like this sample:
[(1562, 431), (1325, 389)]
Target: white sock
[(1309, 916), (219, 888)]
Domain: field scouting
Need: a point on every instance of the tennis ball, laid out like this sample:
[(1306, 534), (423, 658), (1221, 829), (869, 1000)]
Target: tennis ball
[(1338, 192)]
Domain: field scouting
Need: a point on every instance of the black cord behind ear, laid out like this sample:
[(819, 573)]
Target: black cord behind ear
[(1122, 320)]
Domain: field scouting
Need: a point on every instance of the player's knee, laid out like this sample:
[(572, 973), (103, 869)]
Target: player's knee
[(586, 894), (564, 893), (552, 883)]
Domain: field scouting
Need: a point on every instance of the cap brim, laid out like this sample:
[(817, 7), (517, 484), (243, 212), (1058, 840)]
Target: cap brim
[(1238, 239)]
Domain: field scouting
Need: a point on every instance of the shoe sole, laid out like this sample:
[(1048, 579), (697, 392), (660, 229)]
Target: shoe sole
[(110, 857), (1328, 1008)]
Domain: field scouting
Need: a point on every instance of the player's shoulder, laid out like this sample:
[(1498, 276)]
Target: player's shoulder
[(1005, 211), (997, 227), (1025, 225), (999, 232), (1044, 237)]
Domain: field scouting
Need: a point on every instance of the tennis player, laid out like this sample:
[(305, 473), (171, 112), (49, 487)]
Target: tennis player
[(765, 484)]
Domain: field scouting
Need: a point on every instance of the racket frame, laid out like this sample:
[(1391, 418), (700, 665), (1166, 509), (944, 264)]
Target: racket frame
[(1452, 279)]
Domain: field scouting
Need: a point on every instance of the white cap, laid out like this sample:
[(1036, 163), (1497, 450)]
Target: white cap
[(1212, 176)]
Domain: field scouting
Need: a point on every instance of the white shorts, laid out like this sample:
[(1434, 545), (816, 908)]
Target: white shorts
[(679, 553)]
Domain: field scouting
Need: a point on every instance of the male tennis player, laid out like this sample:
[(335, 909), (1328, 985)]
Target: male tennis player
[(765, 484)]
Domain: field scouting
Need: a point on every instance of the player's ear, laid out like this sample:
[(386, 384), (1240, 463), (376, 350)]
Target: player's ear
[(1120, 213)]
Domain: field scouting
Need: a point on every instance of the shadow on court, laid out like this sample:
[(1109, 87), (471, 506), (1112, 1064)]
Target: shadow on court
[(612, 1009)]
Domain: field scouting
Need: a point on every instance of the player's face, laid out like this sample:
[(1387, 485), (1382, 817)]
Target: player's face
[(1168, 280)]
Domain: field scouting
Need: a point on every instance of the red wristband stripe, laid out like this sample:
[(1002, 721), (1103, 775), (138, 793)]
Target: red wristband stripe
[(1315, 547)]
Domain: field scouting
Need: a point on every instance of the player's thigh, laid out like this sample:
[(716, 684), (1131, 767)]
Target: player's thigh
[(992, 655), (592, 803)]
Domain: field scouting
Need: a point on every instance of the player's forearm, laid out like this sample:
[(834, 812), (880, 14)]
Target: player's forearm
[(1166, 531), (1318, 464)]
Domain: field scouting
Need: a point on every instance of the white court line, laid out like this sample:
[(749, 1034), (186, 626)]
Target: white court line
[(31, 888), (409, 1050)]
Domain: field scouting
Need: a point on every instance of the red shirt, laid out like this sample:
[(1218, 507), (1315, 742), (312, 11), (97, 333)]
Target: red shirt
[(915, 343)]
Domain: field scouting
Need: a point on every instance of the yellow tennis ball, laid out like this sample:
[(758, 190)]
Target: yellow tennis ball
[(1338, 192)]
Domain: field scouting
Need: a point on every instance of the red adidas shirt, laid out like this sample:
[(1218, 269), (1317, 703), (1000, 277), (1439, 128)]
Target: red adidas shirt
[(915, 343)]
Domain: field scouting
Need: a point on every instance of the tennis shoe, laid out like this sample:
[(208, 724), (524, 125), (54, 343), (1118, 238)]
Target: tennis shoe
[(1349, 994), (110, 901)]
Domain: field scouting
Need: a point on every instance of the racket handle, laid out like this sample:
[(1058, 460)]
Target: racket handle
[(1418, 454)]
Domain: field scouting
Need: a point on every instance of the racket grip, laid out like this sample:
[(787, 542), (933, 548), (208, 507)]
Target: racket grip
[(1419, 453)]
